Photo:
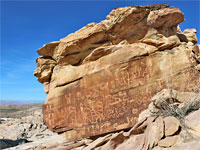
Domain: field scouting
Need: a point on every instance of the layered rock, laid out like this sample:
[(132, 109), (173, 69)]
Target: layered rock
[(100, 78)]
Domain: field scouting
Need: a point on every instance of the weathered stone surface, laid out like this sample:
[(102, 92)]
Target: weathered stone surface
[(153, 133), (192, 121), (195, 145), (161, 41), (100, 78), (46, 87), (114, 79), (168, 141), (135, 142), (196, 55), (45, 67), (171, 125), (140, 126), (98, 142), (191, 35), (48, 49), (121, 54), (166, 17)]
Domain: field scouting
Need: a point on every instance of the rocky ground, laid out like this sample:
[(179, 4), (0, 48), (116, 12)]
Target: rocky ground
[(22, 124)]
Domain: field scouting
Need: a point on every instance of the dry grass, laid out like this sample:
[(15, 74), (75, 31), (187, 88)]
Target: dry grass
[(178, 112)]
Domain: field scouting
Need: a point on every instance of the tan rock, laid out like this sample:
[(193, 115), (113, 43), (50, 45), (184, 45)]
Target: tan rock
[(41, 61), (46, 87), (165, 17), (100, 52), (168, 141), (153, 37), (198, 67), (196, 55), (48, 49), (171, 125), (45, 68), (98, 142), (144, 114), (95, 35), (44, 73), (191, 35), (153, 133), (76, 46), (192, 121), (114, 142), (121, 54), (140, 126), (133, 142), (194, 144), (196, 49)]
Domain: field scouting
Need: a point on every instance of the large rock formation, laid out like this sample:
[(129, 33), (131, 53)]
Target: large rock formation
[(100, 78)]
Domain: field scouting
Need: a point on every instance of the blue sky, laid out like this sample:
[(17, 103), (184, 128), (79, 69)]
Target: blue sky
[(27, 25)]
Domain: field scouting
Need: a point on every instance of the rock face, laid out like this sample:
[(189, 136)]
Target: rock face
[(100, 78)]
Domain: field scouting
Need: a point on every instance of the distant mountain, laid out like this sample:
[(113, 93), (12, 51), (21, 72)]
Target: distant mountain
[(16, 111), (11, 103), (17, 102)]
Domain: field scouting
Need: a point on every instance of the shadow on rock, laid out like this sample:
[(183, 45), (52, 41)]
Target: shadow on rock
[(6, 143)]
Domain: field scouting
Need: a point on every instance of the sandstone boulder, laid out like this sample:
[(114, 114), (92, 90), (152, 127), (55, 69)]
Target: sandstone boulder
[(100, 78)]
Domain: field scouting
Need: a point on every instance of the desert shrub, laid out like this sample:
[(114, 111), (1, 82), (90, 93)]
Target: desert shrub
[(177, 111)]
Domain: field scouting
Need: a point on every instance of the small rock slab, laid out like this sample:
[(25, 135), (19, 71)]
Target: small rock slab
[(98, 142), (171, 125), (153, 133), (168, 141)]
